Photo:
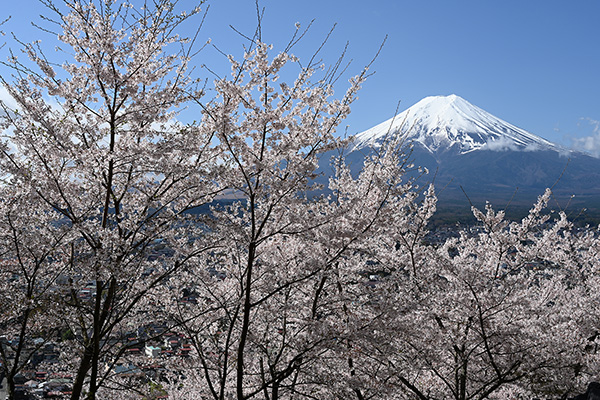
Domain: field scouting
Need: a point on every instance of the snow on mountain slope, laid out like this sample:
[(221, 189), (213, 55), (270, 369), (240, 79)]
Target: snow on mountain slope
[(439, 123)]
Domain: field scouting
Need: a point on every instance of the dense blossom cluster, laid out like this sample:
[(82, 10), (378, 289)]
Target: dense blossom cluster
[(114, 283)]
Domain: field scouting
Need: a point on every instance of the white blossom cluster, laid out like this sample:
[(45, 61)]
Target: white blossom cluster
[(283, 288)]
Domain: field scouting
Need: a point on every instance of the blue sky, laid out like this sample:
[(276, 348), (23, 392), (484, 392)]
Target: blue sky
[(533, 63)]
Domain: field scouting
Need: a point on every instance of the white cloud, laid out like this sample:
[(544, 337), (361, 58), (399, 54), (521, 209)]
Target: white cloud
[(532, 147), (501, 144), (590, 144), (7, 98)]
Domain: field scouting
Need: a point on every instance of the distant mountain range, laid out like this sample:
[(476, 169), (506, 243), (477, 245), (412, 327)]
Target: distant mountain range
[(469, 151)]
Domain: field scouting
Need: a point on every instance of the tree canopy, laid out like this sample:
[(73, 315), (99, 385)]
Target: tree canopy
[(287, 290)]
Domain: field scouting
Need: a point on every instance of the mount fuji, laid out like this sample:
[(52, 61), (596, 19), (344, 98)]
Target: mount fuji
[(468, 151), (442, 123)]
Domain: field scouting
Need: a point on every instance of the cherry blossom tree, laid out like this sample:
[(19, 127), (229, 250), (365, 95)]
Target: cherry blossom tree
[(269, 311), (31, 247), (488, 312), (93, 147)]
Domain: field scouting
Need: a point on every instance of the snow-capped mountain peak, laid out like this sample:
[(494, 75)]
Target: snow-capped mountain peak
[(439, 123)]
